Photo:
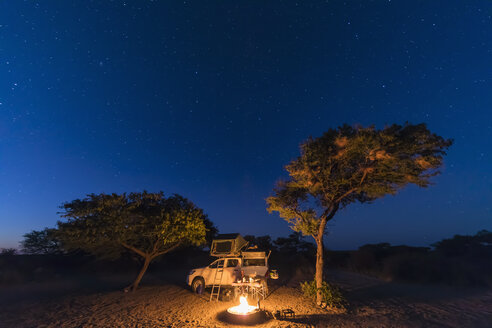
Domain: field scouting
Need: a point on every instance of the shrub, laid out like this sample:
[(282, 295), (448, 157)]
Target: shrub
[(331, 295), (8, 251)]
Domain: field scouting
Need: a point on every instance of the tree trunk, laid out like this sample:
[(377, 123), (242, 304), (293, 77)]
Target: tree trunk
[(319, 255), (135, 284), (319, 268)]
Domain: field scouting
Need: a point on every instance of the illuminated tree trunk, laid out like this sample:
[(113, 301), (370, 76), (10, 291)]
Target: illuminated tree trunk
[(319, 270), (319, 260)]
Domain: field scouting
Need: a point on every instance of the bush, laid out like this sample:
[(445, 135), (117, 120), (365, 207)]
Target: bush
[(8, 251), (458, 261), (332, 295)]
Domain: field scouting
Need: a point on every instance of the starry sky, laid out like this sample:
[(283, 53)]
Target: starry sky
[(210, 99)]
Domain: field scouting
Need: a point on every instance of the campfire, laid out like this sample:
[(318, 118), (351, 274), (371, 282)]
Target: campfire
[(243, 308), (243, 314)]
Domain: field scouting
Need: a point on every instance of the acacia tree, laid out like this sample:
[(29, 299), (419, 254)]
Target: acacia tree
[(353, 164), (41, 242), (147, 224)]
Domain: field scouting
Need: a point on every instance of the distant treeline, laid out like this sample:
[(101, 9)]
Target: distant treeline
[(458, 261)]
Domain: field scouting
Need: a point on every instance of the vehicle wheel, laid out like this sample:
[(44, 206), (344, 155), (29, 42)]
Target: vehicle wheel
[(198, 285)]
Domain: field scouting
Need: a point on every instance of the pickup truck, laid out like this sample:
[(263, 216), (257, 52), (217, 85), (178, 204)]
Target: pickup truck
[(249, 264)]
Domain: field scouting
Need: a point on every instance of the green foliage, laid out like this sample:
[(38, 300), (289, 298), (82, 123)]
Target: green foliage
[(148, 224), (331, 295), (41, 242), (354, 164), (211, 231)]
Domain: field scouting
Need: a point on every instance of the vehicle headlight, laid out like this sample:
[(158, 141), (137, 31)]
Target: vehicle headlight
[(191, 272)]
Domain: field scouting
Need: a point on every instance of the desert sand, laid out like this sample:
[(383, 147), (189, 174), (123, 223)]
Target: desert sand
[(373, 303)]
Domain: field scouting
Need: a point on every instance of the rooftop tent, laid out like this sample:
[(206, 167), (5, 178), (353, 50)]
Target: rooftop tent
[(229, 244)]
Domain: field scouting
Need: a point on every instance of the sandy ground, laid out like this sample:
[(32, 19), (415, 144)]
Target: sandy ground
[(373, 303)]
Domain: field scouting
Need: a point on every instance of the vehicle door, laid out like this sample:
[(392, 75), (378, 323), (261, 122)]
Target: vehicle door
[(209, 274), (231, 271)]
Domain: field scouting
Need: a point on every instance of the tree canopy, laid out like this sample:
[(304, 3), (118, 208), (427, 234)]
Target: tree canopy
[(479, 244), (353, 164), (148, 224), (41, 242)]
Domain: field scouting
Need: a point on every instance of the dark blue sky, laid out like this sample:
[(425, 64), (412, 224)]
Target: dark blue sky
[(211, 99)]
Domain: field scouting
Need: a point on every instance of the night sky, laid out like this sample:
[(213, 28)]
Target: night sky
[(210, 99)]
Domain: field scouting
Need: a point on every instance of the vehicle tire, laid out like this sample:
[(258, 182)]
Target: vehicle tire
[(198, 285)]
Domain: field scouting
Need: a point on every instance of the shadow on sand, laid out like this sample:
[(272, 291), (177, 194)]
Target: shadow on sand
[(249, 320), (409, 292), (311, 320)]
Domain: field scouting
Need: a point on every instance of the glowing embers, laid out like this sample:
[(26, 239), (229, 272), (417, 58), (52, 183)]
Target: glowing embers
[(243, 308)]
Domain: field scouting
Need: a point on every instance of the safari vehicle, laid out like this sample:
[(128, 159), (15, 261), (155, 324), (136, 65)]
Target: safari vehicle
[(235, 263)]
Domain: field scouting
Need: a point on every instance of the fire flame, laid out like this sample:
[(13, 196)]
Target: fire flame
[(243, 308)]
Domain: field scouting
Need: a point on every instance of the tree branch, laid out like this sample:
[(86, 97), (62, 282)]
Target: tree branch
[(363, 177), (330, 212), (156, 243), (167, 250), (136, 250), (345, 195), (299, 214), (317, 179)]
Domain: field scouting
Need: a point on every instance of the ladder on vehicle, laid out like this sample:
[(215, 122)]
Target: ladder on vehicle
[(219, 273)]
